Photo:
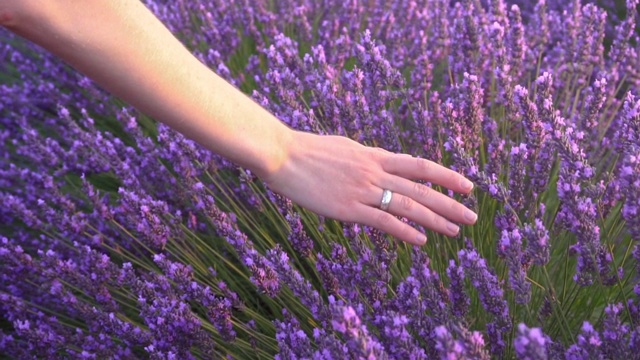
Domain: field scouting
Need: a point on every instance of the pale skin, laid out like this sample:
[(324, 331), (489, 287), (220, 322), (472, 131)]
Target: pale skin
[(122, 46)]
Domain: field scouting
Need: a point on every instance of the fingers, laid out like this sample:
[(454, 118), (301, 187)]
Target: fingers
[(407, 207), (410, 167), (426, 197), (415, 201), (391, 225), (418, 212), (419, 203)]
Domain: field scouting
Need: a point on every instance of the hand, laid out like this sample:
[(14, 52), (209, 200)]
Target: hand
[(341, 179)]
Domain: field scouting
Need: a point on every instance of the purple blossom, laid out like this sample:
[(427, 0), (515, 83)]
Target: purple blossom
[(396, 338), (615, 334), (629, 180), (510, 247), (298, 237), (538, 242), (219, 303), (447, 346), (516, 44), (423, 298), (530, 343), (467, 345), (361, 345), (293, 342), (491, 295), (298, 284), (459, 298), (589, 345), (517, 161)]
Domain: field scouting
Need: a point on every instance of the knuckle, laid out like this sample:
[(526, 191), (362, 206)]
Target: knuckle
[(375, 154), (437, 221), (348, 212), (423, 164), (384, 219), (406, 203), (456, 207), (372, 154), (455, 178), (404, 232), (421, 191), (344, 213)]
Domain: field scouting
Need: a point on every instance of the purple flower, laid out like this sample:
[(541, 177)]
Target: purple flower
[(510, 248), (517, 162), (293, 342), (491, 296), (459, 298), (538, 242), (298, 236), (516, 44), (298, 284), (422, 297), (530, 343), (588, 346), (447, 346), (396, 338), (615, 334), (361, 345), (467, 345)]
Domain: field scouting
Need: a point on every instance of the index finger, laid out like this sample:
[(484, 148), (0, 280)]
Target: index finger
[(414, 168)]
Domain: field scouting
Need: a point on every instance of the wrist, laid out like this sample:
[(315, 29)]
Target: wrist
[(276, 156)]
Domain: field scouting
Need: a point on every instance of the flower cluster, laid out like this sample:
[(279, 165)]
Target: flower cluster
[(120, 238)]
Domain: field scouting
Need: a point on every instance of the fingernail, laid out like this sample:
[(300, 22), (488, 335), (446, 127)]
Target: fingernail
[(453, 228), (421, 239), (470, 215), (465, 184)]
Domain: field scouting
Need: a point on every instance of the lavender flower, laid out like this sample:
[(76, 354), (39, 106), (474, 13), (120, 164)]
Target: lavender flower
[(447, 346), (423, 298), (588, 345), (293, 342), (491, 296), (510, 247), (458, 297), (614, 334), (361, 345), (469, 345), (396, 338), (530, 344), (538, 246), (299, 285)]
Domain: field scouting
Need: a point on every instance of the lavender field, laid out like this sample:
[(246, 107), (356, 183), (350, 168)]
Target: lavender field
[(122, 239)]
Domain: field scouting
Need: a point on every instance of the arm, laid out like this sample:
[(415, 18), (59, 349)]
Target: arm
[(122, 46), (126, 49)]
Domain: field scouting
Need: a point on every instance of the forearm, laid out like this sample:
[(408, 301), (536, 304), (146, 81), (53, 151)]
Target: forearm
[(123, 47)]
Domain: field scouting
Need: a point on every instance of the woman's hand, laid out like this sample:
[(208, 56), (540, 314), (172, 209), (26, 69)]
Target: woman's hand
[(341, 179)]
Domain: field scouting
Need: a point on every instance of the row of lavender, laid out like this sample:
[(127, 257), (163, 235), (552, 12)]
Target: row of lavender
[(123, 240)]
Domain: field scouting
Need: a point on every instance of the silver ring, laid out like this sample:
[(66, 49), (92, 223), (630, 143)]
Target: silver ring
[(386, 200)]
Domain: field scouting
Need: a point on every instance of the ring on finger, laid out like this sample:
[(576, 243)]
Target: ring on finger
[(387, 195)]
